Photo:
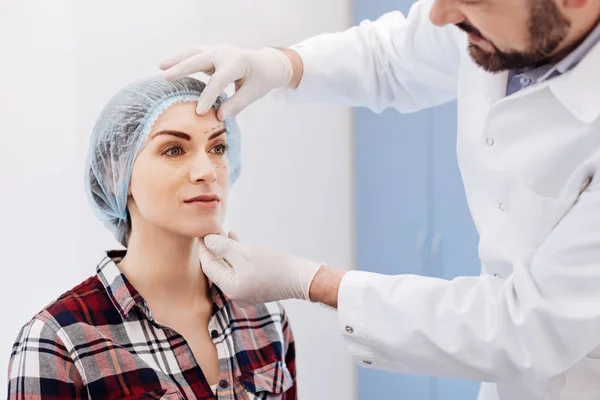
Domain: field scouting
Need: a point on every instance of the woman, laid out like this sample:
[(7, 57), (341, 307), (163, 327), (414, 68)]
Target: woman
[(149, 324)]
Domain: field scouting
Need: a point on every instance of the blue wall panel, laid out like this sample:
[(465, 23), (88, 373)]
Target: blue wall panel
[(392, 220), (412, 215)]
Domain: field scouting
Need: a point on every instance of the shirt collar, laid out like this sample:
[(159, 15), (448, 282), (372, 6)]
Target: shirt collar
[(571, 60), (122, 293), (544, 72)]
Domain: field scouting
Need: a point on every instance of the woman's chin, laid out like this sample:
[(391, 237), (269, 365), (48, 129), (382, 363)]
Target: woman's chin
[(198, 228), (208, 230)]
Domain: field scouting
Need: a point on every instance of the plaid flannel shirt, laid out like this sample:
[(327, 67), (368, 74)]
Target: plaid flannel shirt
[(99, 340)]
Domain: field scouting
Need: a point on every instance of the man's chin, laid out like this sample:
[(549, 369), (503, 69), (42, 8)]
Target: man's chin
[(488, 61), (498, 61)]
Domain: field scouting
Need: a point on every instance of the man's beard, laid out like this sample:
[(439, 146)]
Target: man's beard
[(548, 28)]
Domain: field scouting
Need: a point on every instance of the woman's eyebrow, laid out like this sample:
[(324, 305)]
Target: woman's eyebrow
[(219, 132), (178, 134), (182, 135)]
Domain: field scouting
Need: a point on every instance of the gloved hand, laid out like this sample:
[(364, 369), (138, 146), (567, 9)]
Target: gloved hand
[(255, 73), (251, 275)]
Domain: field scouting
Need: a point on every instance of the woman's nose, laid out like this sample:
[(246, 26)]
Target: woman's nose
[(203, 169)]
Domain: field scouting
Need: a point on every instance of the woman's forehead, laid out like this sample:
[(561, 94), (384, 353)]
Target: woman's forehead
[(182, 117)]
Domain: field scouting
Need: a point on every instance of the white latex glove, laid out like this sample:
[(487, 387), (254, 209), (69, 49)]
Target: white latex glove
[(255, 73), (252, 275)]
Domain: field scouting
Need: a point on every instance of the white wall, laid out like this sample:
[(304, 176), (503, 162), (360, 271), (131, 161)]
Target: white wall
[(59, 63)]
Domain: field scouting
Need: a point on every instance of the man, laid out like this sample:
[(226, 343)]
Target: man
[(526, 77)]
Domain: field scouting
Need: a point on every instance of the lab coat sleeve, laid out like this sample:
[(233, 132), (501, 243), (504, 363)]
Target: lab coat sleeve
[(395, 61), (534, 325)]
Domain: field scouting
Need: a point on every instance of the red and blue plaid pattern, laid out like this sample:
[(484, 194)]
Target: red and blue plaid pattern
[(99, 340)]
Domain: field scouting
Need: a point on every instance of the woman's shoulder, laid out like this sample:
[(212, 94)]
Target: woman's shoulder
[(63, 323), (43, 352), (74, 305)]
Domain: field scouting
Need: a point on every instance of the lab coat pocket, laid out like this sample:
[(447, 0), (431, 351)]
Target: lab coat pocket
[(536, 215), (274, 378)]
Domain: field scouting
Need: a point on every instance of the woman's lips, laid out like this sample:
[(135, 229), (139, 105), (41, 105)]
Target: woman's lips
[(204, 201)]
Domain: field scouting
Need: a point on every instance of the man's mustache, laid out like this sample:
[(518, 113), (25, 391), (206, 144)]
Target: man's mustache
[(469, 29)]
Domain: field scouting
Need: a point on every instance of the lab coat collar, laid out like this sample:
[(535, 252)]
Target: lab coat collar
[(579, 89), (495, 86)]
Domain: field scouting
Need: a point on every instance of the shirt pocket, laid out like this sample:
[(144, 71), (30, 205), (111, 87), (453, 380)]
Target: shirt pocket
[(273, 378), (155, 394)]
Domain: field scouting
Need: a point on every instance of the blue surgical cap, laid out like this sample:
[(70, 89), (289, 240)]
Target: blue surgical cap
[(121, 133)]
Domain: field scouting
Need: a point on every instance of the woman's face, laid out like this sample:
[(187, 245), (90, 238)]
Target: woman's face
[(180, 179)]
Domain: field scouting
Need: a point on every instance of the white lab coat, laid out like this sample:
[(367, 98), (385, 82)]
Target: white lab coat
[(530, 324)]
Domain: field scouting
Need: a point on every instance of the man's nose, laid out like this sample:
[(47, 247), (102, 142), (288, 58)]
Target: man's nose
[(446, 12)]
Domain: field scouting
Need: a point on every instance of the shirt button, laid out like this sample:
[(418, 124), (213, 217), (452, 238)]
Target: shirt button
[(501, 206), (224, 384), (489, 141), (525, 81), (214, 334), (367, 362), (350, 330)]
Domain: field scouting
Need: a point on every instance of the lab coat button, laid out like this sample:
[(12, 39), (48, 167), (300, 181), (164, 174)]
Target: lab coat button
[(489, 141), (501, 207), (350, 330)]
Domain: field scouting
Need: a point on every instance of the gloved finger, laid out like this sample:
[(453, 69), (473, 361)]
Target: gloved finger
[(206, 255), (233, 236), (199, 63), (174, 59), (239, 84), (236, 103), (222, 246), (216, 84), (217, 270)]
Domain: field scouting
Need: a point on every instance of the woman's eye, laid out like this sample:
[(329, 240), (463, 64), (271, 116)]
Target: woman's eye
[(174, 151), (219, 149)]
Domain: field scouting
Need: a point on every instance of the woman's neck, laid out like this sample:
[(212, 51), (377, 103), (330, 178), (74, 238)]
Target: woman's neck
[(165, 269)]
